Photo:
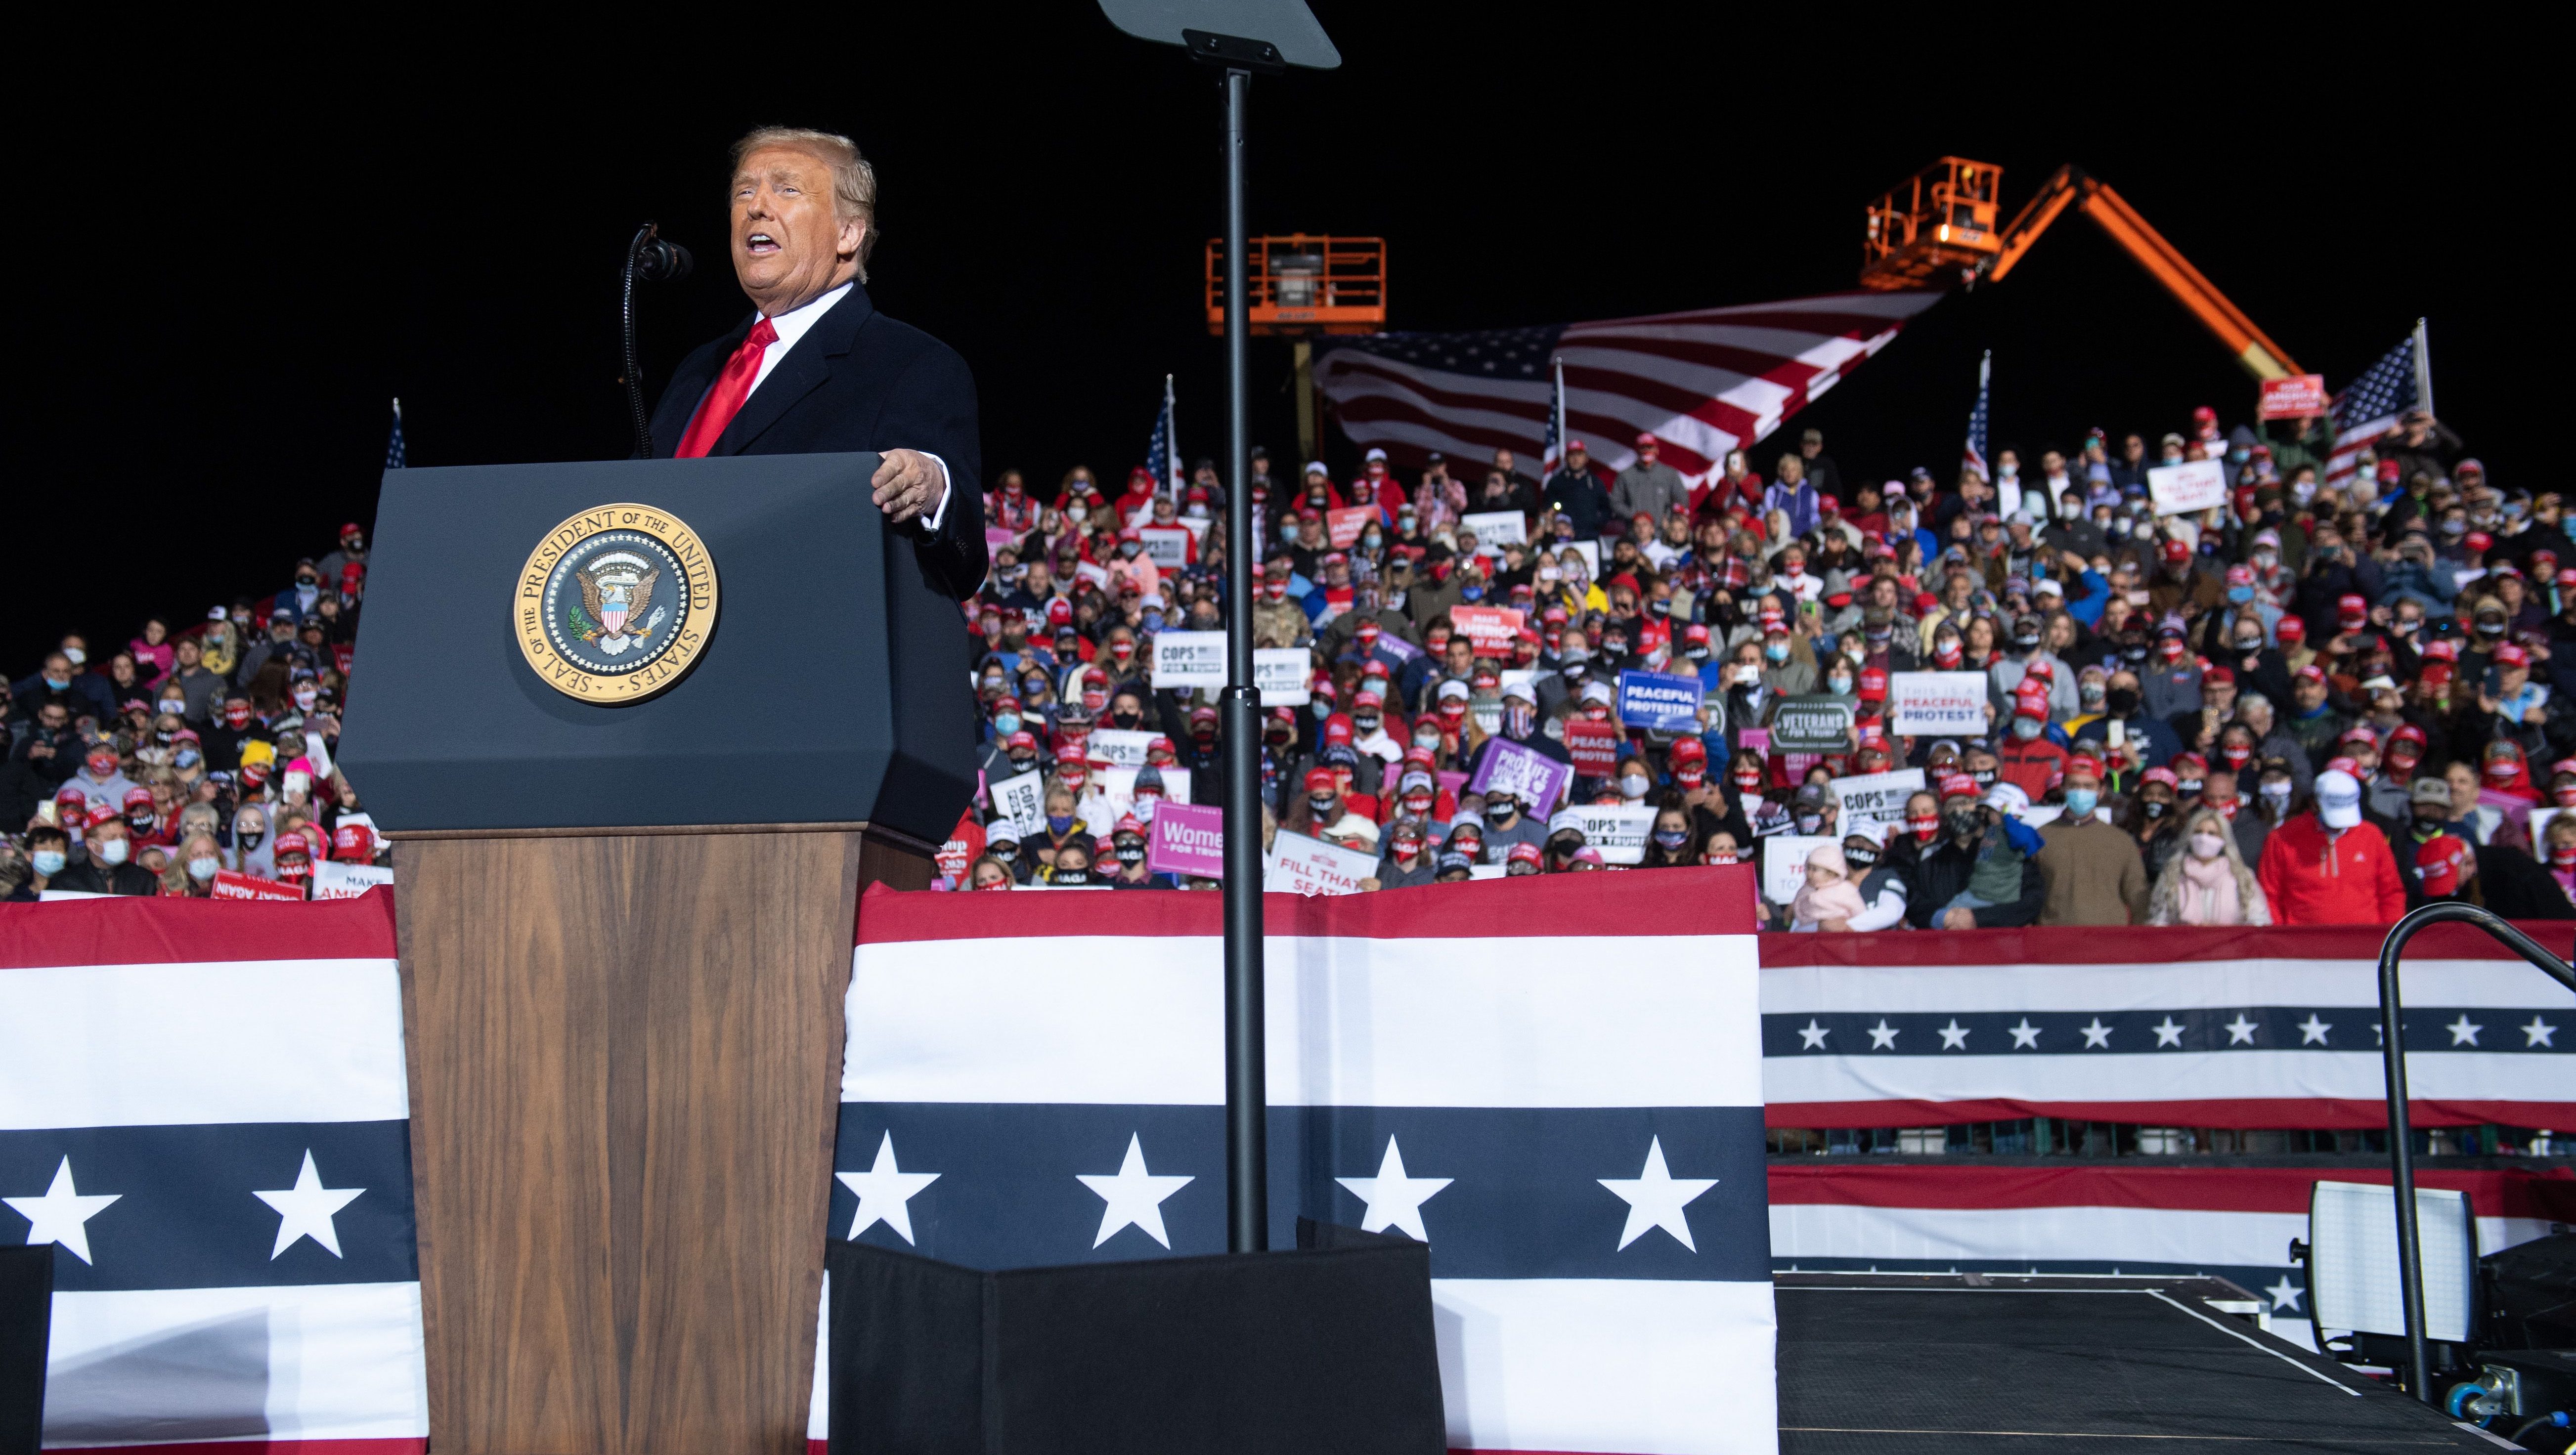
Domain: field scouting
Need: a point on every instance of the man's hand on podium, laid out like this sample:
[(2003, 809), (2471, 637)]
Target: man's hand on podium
[(909, 484)]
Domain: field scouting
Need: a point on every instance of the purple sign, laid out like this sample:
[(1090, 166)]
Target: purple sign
[(1537, 780), (1187, 839)]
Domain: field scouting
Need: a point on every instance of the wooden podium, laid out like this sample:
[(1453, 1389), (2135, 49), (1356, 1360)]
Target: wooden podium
[(624, 955)]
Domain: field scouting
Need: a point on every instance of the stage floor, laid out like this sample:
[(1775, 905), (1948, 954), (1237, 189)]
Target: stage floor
[(1940, 1364)]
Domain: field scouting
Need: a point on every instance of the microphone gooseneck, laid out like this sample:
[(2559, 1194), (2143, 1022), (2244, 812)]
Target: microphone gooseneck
[(654, 258)]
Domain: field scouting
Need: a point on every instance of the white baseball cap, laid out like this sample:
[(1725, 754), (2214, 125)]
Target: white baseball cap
[(2007, 798), (2338, 799), (1376, 455)]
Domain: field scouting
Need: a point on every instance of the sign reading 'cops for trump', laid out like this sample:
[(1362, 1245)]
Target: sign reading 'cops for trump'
[(1189, 659), (1875, 798), (1659, 702)]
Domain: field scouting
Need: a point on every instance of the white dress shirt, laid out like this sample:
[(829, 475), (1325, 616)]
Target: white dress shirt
[(792, 326)]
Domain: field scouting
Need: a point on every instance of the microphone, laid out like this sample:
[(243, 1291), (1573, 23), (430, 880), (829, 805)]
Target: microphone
[(662, 260), (649, 255)]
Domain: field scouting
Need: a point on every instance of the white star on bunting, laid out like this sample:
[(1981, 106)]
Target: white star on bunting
[(1882, 1037), (2168, 1032), (2463, 1032), (2312, 1031), (1813, 1035), (1394, 1199), (2024, 1034), (2240, 1031), (885, 1192), (62, 1215), (1954, 1036), (2538, 1033), (2285, 1294), (1656, 1198), (2096, 1034), (306, 1209), (1133, 1196)]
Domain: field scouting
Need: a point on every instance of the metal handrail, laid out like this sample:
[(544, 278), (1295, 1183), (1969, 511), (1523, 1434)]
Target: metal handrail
[(2401, 1148)]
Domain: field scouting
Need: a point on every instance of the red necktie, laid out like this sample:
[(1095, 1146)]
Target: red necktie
[(724, 401)]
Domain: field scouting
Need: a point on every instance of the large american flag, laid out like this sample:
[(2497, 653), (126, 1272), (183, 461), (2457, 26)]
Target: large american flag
[(1702, 382), (2370, 408)]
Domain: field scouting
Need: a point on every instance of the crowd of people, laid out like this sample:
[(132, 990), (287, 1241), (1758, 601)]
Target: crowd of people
[(2321, 702), (194, 754)]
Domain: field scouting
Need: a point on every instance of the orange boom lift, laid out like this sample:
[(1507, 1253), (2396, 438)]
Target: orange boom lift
[(1301, 284), (1937, 229)]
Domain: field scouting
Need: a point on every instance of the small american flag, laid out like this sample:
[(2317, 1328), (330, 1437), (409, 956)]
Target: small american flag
[(1551, 453), (1975, 457), (1702, 382), (1163, 453), (2369, 408), (394, 442)]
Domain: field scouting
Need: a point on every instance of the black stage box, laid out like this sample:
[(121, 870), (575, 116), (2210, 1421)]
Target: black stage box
[(1328, 1349), (26, 1323)]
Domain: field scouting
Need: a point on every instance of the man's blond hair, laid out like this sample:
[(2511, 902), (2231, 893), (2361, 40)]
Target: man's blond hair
[(854, 182)]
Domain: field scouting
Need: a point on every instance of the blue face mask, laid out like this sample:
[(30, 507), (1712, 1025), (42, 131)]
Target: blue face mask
[(1776, 652), (57, 684), (2080, 802), (48, 862), (1058, 822), (1472, 593), (2240, 594), (1007, 724)]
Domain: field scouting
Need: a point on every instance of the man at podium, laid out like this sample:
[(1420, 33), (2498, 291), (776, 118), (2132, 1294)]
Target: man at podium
[(817, 370)]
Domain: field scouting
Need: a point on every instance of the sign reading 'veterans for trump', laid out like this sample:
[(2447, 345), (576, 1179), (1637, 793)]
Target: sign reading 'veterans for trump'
[(1583, 1153)]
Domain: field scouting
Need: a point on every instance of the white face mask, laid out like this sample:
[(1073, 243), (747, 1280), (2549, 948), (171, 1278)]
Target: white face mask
[(111, 851), (2207, 846), (1634, 785)]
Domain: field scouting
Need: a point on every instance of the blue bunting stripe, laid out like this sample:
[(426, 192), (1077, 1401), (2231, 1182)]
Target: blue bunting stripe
[(1522, 1194)]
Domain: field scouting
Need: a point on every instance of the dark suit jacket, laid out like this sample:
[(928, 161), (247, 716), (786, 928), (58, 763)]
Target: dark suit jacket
[(857, 380)]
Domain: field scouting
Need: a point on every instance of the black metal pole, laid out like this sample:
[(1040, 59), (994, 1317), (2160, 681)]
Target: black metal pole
[(2401, 1137), (1247, 1175)]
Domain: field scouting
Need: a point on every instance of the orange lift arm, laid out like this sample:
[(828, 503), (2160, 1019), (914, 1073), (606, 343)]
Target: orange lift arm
[(2255, 350)]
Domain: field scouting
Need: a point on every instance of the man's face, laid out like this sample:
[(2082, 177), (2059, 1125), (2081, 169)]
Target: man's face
[(788, 244), (53, 717)]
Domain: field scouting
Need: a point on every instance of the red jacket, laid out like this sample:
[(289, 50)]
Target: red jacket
[(2350, 878), (2033, 767)]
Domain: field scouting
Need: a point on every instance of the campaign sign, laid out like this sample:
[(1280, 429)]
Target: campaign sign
[(1595, 746), (1495, 529), (1815, 723), (1534, 778), (2300, 396), (1876, 798), (1492, 629), (1118, 747), (1659, 702), (1000, 538), (1784, 864), (1617, 830), (1280, 675), (1022, 799), (1300, 865), (1187, 839), (333, 880), (1342, 527), (1167, 546), (1189, 659), (964, 846), (1936, 704), (232, 884), (2188, 488), (1111, 795)]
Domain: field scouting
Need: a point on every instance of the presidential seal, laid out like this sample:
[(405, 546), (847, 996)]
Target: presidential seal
[(615, 604)]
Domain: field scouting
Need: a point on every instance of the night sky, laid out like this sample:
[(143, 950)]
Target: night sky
[(227, 271)]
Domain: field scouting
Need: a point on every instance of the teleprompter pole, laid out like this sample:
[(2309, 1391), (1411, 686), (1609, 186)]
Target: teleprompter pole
[(1247, 1178)]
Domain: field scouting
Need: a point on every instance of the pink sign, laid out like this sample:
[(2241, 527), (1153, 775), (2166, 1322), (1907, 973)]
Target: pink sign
[(1188, 839)]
